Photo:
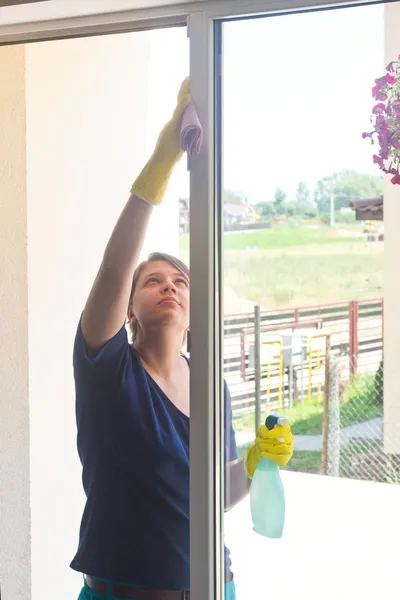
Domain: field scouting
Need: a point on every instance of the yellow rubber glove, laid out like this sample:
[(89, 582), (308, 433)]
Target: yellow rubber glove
[(152, 182), (267, 446)]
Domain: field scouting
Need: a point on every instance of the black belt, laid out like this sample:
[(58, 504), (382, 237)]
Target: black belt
[(129, 593)]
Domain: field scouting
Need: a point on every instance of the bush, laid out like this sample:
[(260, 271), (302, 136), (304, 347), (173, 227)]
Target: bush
[(348, 218), (359, 402), (378, 385)]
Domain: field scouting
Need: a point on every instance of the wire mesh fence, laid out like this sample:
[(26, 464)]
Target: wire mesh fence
[(355, 424), (362, 441)]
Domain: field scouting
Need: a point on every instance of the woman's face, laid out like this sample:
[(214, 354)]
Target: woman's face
[(161, 298)]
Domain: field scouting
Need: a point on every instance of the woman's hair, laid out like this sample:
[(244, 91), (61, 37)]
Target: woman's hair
[(154, 257)]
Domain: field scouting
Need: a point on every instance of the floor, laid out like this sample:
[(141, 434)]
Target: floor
[(341, 542)]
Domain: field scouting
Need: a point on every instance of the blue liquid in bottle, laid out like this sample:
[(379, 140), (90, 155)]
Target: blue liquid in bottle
[(267, 497)]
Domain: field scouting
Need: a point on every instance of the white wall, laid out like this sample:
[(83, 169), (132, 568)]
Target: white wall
[(85, 104), (14, 397), (391, 269)]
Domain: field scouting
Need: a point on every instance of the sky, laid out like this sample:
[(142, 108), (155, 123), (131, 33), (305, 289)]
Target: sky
[(297, 97)]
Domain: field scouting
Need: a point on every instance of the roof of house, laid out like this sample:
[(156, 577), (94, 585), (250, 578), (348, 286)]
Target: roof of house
[(368, 208), (235, 210)]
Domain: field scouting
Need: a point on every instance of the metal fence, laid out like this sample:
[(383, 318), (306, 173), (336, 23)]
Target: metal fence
[(356, 335), (278, 360)]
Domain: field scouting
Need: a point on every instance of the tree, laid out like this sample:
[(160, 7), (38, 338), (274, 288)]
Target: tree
[(322, 194), (231, 197), (267, 209), (303, 196), (346, 186), (291, 209), (310, 213), (279, 201)]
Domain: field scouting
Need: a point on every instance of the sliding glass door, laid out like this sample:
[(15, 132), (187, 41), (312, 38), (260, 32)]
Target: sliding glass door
[(290, 283)]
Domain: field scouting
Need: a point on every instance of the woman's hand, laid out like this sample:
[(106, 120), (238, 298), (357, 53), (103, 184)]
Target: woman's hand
[(168, 148), (152, 182), (269, 444)]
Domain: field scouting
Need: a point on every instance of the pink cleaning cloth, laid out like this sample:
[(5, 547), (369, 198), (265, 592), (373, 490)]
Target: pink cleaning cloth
[(191, 132)]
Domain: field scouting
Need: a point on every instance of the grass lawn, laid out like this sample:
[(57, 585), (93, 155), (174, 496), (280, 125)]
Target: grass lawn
[(305, 418), (289, 266), (358, 405), (283, 236)]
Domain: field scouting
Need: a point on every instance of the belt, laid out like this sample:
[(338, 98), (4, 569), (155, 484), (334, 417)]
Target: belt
[(129, 593)]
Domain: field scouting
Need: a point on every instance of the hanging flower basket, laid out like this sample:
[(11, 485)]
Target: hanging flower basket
[(386, 121)]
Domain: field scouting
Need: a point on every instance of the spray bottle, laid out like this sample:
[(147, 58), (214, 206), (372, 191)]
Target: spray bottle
[(267, 497)]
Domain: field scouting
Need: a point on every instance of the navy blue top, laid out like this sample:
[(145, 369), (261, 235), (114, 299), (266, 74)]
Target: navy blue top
[(133, 443)]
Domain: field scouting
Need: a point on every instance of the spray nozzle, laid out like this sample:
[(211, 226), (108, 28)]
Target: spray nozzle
[(273, 421)]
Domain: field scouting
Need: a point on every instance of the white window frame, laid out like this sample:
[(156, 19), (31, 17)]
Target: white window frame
[(206, 503), (205, 253)]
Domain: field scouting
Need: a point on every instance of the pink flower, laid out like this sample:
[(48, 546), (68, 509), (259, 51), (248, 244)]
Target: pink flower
[(377, 94), (396, 179), (381, 81), (384, 146), (380, 123), (378, 160), (395, 108), (389, 110), (384, 143), (386, 121), (379, 108), (368, 135)]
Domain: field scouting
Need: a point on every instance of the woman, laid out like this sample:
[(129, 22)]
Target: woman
[(132, 405)]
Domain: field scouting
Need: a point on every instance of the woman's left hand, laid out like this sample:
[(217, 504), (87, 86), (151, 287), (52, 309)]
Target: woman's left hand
[(269, 444)]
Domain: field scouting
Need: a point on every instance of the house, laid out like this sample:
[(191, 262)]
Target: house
[(368, 209), (234, 214)]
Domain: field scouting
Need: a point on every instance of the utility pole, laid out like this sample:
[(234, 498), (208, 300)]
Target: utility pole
[(332, 202)]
